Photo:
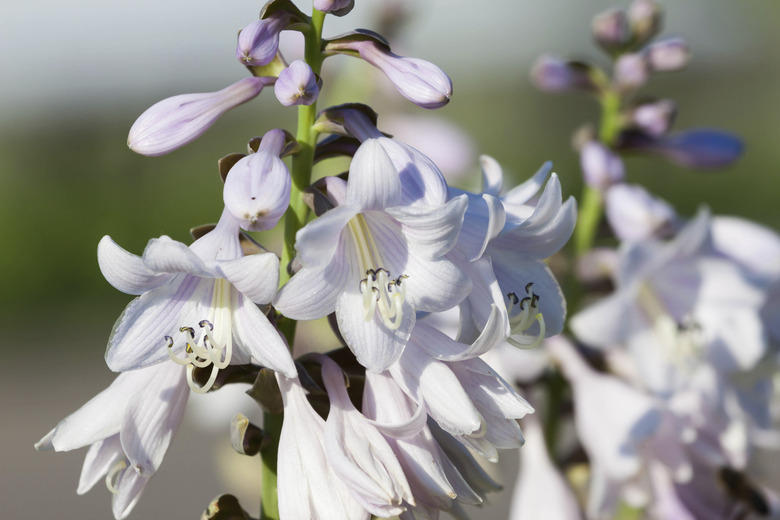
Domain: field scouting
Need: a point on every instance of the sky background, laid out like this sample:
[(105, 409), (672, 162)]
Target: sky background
[(76, 74)]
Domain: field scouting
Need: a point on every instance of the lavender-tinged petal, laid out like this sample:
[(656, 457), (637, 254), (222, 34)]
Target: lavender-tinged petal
[(375, 346), (631, 71), (524, 192), (321, 239), (374, 183), (601, 167), (485, 293), (504, 434), (138, 337), (100, 458), (421, 180), (696, 148), (334, 7), (636, 215), (126, 271), (257, 191), (492, 176), (255, 276), (667, 55), (129, 488), (179, 120), (431, 231), (153, 416), (257, 338), (483, 221), (297, 85), (553, 74), (165, 255), (753, 246), (440, 346), (312, 292), (605, 323), (258, 42), (435, 285), (489, 391)]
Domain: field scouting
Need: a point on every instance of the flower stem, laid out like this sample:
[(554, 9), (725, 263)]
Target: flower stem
[(294, 220)]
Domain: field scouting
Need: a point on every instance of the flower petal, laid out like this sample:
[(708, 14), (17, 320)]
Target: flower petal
[(524, 192), (126, 271), (99, 460), (373, 182), (313, 291), (260, 340), (165, 255), (431, 230), (255, 276), (435, 285), (320, 239)]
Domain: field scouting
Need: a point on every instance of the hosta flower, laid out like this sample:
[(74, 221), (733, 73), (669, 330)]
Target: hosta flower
[(258, 42), (128, 427), (196, 304), (375, 261), (173, 122), (297, 85)]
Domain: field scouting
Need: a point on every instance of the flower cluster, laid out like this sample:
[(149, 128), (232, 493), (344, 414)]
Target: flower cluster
[(383, 252)]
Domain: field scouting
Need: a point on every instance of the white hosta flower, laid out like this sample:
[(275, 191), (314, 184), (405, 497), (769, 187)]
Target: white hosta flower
[(515, 237), (308, 487), (375, 262), (128, 427), (197, 302)]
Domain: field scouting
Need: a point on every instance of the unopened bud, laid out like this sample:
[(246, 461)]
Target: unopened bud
[(667, 55), (178, 120), (335, 7), (635, 215), (601, 167), (419, 81), (245, 437), (297, 85), (655, 118), (644, 17), (610, 29), (631, 71), (258, 42), (553, 74), (257, 187), (698, 148)]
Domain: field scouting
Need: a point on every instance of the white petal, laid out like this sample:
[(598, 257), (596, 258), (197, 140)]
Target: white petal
[(435, 285), (100, 458), (255, 276), (431, 230), (165, 255), (260, 340), (492, 176), (153, 417), (607, 322), (752, 245), (524, 192), (421, 180), (321, 239), (126, 271), (488, 391), (373, 182), (129, 488)]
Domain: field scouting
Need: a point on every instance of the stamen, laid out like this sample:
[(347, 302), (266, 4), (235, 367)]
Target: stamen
[(112, 477), (522, 315)]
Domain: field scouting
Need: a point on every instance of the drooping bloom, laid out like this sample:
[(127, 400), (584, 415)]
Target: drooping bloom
[(173, 122), (376, 260), (257, 188), (196, 301), (128, 427), (297, 85)]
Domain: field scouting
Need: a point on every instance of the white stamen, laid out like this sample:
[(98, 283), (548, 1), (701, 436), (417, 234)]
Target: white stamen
[(214, 345), (522, 315), (112, 477)]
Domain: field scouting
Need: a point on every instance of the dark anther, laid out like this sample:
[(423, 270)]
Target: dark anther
[(362, 285), (188, 348), (188, 329), (528, 287), (169, 340), (522, 302), (534, 299), (203, 324), (376, 292), (512, 298)]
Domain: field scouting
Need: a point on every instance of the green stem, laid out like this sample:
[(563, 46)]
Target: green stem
[(294, 220)]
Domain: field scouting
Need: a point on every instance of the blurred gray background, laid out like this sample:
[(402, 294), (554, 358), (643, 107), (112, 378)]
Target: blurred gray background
[(76, 75)]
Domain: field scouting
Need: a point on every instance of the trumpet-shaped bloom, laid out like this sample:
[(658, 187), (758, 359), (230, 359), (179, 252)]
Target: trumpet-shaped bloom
[(257, 188), (375, 261), (179, 120), (128, 427), (197, 302)]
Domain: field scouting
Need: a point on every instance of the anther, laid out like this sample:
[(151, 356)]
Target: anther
[(528, 287), (203, 323), (190, 330), (512, 298)]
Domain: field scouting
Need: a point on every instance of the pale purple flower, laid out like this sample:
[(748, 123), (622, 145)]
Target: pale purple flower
[(554, 74), (257, 188), (258, 42), (601, 167), (645, 19), (667, 55), (179, 120), (335, 7), (631, 71), (636, 215), (611, 30), (128, 427), (297, 85), (655, 118), (196, 301), (376, 260)]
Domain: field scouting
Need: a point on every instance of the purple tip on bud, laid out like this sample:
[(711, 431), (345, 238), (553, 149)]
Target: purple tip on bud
[(553, 74), (257, 188), (419, 81), (178, 120), (258, 42), (697, 148), (644, 16), (667, 55), (655, 118), (297, 85), (610, 29), (601, 167), (631, 71), (336, 7)]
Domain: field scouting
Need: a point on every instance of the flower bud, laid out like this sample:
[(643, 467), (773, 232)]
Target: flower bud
[(601, 167), (655, 118), (258, 42), (178, 120), (553, 74), (257, 187), (631, 71), (335, 7), (698, 148), (610, 30), (667, 55), (644, 17), (419, 81), (635, 215), (297, 85)]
